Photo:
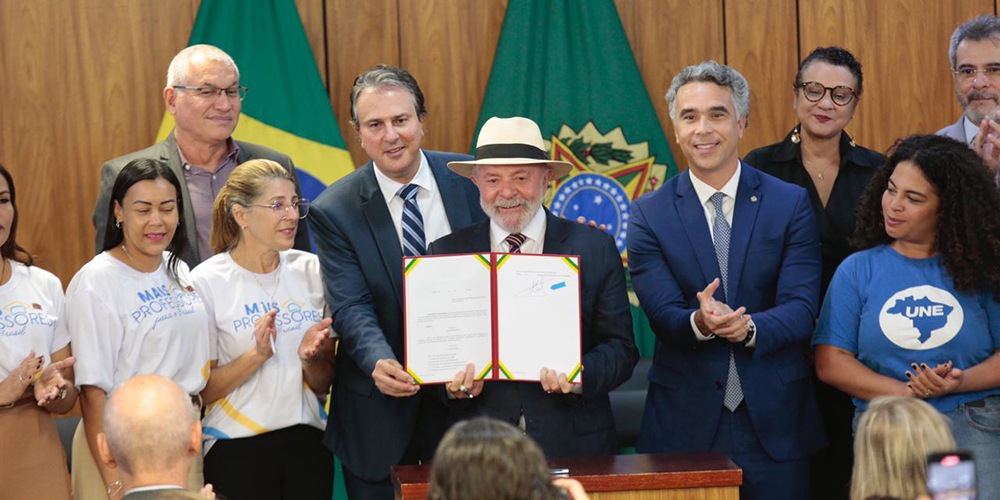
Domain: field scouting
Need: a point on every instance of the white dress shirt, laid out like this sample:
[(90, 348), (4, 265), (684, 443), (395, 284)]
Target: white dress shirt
[(428, 200), (705, 192), (534, 232)]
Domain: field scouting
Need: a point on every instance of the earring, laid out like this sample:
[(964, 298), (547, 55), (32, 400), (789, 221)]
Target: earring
[(118, 223), (795, 136)]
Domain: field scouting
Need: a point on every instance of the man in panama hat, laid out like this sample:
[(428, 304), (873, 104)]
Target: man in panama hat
[(511, 170)]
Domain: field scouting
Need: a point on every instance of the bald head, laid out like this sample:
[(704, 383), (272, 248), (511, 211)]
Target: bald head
[(150, 425), (177, 73)]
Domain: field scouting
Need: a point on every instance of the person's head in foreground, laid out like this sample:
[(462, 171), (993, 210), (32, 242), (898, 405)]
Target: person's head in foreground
[(891, 445), (934, 196), (151, 432), (486, 458)]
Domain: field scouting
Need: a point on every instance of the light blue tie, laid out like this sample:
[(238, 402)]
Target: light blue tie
[(414, 244), (720, 238)]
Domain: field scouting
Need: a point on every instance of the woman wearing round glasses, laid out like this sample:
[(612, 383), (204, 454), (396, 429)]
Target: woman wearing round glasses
[(272, 356), (32, 463), (131, 310), (819, 156)]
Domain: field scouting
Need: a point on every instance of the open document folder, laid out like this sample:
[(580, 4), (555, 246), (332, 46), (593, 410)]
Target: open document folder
[(508, 314)]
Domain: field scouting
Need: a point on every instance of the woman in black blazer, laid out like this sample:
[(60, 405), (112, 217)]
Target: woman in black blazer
[(819, 156)]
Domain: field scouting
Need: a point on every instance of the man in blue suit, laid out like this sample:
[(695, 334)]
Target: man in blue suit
[(363, 226), (725, 261), (512, 170)]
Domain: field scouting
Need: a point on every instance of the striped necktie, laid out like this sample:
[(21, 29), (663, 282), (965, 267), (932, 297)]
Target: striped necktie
[(514, 242), (414, 244), (720, 238)]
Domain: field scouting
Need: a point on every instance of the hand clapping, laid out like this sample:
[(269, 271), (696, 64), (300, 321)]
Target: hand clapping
[(52, 382), (716, 318), (265, 334)]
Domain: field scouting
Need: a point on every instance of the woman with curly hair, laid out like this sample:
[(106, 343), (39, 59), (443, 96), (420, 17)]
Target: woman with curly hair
[(915, 313)]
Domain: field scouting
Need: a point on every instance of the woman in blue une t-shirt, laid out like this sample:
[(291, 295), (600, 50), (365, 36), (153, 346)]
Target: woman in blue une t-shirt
[(915, 313)]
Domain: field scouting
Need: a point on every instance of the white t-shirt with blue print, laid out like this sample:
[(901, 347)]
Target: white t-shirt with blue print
[(275, 396), (892, 311), (124, 323), (31, 303)]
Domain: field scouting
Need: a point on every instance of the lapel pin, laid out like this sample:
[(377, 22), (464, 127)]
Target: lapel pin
[(753, 199)]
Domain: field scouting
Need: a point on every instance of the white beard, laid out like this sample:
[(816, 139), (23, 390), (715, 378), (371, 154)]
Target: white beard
[(512, 222)]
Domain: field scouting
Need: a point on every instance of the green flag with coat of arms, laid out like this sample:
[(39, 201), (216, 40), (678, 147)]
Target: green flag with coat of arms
[(567, 65)]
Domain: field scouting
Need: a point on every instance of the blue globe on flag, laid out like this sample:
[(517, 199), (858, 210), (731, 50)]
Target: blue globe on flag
[(594, 197)]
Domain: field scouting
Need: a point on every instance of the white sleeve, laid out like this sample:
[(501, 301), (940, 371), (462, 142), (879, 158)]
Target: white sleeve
[(202, 288), (60, 337), (97, 335)]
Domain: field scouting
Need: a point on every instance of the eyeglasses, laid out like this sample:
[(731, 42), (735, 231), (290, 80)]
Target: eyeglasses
[(968, 74), (814, 91), (212, 92), (280, 207)]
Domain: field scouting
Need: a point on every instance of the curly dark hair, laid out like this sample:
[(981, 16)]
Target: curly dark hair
[(968, 230), (836, 56)]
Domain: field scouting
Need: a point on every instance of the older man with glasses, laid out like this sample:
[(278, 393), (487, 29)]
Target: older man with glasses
[(975, 62), (204, 95)]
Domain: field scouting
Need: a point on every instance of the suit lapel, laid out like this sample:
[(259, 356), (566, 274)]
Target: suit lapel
[(455, 203), (692, 215), (383, 231), (744, 217), (555, 236), (169, 155)]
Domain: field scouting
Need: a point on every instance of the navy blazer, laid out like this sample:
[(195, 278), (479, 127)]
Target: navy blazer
[(362, 264), (774, 271), (566, 425)]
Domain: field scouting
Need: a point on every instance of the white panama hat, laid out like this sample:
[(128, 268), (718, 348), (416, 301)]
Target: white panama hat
[(510, 141)]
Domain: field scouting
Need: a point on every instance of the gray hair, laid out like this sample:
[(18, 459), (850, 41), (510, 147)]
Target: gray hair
[(984, 27), (148, 422), (723, 76), (384, 76), (177, 72)]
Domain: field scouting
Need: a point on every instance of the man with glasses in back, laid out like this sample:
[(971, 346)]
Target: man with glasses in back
[(204, 95), (975, 61)]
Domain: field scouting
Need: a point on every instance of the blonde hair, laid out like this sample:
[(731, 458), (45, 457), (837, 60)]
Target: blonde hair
[(245, 185), (891, 446)]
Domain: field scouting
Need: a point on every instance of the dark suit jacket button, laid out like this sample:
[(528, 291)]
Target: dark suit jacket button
[(718, 385)]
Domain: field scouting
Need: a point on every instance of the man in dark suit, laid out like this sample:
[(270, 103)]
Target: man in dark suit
[(363, 225), (204, 95), (511, 171), (718, 237), (151, 434)]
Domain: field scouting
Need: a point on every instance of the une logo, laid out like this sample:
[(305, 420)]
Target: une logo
[(921, 317)]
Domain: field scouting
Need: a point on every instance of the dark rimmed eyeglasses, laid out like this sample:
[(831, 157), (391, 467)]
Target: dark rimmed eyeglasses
[(814, 91)]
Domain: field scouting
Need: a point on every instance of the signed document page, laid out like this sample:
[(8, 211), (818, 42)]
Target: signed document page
[(538, 315), (448, 316)]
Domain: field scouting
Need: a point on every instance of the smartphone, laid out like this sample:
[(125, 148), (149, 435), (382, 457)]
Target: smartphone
[(951, 476)]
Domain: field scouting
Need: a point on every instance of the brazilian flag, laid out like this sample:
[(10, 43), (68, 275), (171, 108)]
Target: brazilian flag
[(567, 65), (286, 108)]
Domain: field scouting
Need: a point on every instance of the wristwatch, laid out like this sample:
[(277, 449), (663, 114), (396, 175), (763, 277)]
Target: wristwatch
[(751, 331)]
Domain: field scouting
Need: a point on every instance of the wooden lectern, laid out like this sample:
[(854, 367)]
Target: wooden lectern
[(703, 475)]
